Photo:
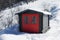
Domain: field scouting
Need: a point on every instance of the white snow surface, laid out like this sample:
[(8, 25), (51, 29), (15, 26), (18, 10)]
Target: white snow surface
[(12, 33)]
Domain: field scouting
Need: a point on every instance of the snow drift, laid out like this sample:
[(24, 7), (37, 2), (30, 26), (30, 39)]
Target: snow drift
[(8, 19)]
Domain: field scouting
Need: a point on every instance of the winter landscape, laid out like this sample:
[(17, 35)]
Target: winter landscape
[(9, 21)]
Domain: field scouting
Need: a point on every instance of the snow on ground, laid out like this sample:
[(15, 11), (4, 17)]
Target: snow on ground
[(12, 33), (52, 34)]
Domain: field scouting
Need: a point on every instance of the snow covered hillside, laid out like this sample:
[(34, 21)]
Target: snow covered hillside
[(9, 21)]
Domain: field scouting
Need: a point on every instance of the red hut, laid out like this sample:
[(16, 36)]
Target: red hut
[(33, 21)]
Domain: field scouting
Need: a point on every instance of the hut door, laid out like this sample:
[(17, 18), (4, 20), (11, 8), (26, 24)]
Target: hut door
[(30, 22)]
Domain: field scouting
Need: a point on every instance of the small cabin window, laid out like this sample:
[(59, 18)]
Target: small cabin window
[(33, 19), (26, 19)]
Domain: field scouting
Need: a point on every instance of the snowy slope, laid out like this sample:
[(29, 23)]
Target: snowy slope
[(8, 17), (12, 33), (52, 34)]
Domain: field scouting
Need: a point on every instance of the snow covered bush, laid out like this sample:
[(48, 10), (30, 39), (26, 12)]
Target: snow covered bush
[(52, 8)]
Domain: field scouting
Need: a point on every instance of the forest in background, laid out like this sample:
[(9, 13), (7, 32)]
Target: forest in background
[(9, 3)]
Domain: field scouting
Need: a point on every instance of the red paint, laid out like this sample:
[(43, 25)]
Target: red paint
[(30, 27)]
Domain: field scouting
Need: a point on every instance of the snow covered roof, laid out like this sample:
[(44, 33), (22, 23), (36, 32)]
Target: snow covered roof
[(44, 12)]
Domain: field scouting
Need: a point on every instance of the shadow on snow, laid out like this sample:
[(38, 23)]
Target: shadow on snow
[(11, 30)]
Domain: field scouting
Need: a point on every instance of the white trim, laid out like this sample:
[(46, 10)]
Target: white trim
[(45, 23)]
